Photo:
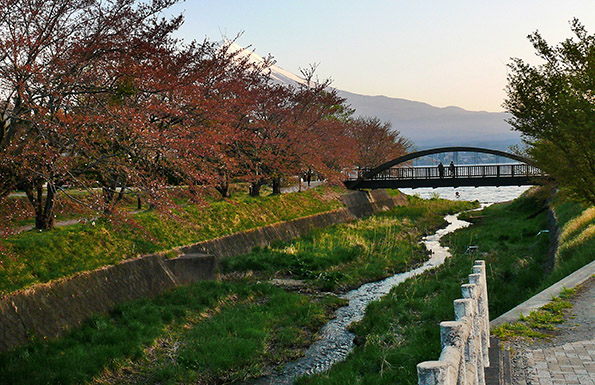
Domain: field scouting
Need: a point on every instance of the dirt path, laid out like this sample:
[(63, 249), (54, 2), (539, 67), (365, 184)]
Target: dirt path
[(296, 188)]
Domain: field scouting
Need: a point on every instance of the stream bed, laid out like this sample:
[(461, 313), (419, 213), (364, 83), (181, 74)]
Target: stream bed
[(336, 341)]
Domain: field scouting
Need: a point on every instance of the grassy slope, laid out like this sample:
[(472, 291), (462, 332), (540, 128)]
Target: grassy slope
[(577, 237), (210, 331), (247, 326), (32, 257), (402, 330), (346, 255)]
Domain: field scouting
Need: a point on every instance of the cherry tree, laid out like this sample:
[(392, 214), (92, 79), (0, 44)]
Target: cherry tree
[(376, 141), (57, 58)]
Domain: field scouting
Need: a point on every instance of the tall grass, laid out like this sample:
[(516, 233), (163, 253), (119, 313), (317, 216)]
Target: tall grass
[(211, 331), (346, 255), (33, 257)]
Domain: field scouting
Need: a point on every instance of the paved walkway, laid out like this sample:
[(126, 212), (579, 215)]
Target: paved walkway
[(569, 357), (296, 187)]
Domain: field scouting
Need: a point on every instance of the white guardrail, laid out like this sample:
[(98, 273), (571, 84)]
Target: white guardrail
[(465, 341)]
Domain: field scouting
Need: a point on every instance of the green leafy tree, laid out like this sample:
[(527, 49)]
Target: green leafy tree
[(553, 106)]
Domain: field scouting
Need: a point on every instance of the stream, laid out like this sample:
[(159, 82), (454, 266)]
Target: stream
[(336, 341)]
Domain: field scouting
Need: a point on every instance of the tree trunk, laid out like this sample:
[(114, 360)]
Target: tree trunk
[(276, 186), (223, 189), (255, 189), (223, 186), (108, 196), (44, 210)]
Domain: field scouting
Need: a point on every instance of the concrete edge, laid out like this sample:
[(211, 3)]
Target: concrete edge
[(540, 299)]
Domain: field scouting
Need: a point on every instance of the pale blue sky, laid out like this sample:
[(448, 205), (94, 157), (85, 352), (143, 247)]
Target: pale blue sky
[(442, 52)]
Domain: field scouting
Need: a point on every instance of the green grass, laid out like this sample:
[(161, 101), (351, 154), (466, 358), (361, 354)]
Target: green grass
[(346, 255), (577, 240), (402, 329), (251, 327), (539, 322), (223, 332), (33, 256), (516, 253), (212, 330)]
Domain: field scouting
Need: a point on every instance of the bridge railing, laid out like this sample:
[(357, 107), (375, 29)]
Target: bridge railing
[(463, 171), (465, 341)]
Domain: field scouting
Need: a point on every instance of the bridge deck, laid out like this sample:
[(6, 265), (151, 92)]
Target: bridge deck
[(469, 175)]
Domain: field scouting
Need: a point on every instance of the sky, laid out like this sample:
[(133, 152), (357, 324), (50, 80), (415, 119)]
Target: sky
[(441, 52)]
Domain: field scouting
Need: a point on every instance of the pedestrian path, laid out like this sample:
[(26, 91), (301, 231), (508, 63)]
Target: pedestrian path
[(304, 186), (569, 356), (571, 363)]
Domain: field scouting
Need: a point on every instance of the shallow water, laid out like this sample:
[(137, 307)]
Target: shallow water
[(336, 341), (485, 195)]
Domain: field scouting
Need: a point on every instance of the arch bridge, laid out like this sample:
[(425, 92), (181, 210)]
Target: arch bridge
[(393, 175)]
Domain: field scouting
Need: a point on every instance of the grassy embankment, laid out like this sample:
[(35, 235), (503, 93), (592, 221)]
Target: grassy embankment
[(214, 332), (402, 329), (576, 248), (346, 255), (33, 257)]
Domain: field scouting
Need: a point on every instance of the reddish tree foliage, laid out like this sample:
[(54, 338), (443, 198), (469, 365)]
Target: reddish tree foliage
[(57, 59), (98, 95), (377, 142), (214, 136)]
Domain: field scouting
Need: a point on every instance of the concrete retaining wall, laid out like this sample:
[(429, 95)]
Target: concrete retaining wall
[(358, 204), (49, 310), (465, 341)]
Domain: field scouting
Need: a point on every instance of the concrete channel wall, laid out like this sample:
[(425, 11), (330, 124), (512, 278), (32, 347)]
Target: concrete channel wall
[(465, 341), (358, 204), (49, 310)]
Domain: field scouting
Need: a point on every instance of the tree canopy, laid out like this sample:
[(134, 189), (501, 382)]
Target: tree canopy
[(553, 106), (100, 96), (377, 142)]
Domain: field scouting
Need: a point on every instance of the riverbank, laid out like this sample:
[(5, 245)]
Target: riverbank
[(34, 257), (227, 331), (402, 330), (156, 340)]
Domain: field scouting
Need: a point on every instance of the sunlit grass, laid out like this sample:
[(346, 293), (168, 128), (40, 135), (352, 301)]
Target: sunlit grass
[(33, 256), (577, 225), (347, 255), (577, 239)]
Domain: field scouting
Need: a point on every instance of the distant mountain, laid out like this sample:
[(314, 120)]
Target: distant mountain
[(427, 126), (430, 126), (278, 74)]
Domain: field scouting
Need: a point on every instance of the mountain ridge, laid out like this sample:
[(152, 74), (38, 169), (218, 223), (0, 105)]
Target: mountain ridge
[(430, 126), (426, 125)]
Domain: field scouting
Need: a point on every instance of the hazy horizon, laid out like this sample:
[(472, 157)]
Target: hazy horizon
[(437, 52)]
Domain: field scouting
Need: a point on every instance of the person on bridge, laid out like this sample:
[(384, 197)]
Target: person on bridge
[(441, 170), (451, 168)]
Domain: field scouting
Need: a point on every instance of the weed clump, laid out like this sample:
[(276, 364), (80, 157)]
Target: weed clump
[(539, 322)]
